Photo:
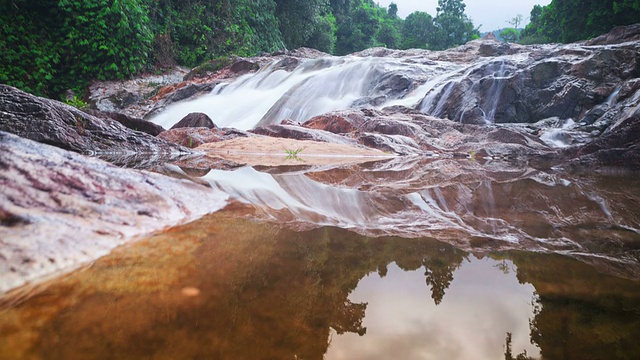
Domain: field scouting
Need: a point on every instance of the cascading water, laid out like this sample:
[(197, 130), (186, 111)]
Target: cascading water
[(498, 81), (315, 87), (323, 85)]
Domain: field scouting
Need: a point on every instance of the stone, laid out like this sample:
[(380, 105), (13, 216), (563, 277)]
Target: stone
[(129, 121), (193, 137), (195, 120), (55, 123), (59, 209)]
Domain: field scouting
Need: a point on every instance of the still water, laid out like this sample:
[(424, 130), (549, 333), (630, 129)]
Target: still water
[(409, 258), (230, 287)]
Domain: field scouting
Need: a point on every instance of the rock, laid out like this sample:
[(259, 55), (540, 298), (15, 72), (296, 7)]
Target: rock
[(406, 131), (301, 133), (59, 210), (193, 137), (619, 146), (242, 66), (195, 120), (618, 35), (131, 97), (128, 121), (55, 123)]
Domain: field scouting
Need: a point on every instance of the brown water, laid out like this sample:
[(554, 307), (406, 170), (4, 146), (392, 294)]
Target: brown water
[(410, 258), (229, 287)]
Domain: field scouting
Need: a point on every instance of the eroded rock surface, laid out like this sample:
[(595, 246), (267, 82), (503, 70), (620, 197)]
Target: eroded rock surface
[(54, 123), (59, 209)]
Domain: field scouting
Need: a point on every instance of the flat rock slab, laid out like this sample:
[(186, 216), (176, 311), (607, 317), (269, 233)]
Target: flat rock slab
[(268, 151), (59, 209)]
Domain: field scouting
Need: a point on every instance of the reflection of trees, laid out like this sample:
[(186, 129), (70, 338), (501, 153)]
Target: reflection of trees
[(349, 318), (264, 293), (439, 270), (580, 314), (508, 352)]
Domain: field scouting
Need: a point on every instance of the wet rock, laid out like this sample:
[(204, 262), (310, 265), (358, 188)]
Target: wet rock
[(54, 123), (618, 35), (243, 66), (59, 209), (195, 120), (302, 133), (129, 121), (406, 131), (193, 137), (618, 146)]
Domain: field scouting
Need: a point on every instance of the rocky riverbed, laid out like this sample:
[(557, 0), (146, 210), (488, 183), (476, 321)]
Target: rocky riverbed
[(460, 130)]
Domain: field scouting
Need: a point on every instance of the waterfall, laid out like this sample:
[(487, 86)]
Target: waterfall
[(315, 87), (493, 95)]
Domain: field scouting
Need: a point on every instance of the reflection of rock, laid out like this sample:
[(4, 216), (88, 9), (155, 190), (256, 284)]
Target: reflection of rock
[(54, 123), (474, 205), (59, 209)]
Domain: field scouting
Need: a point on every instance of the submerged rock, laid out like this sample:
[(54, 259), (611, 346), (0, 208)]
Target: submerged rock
[(59, 209)]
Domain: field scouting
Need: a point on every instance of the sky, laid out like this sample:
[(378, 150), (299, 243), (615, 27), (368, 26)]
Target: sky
[(491, 14)]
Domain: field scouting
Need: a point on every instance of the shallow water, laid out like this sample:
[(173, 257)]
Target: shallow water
[(230, 287), (410, 258)]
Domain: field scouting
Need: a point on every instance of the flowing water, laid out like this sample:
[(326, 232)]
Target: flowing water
[(405, 258)]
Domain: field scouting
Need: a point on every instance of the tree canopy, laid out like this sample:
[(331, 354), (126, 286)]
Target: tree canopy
[(47, 47), (573, 20)]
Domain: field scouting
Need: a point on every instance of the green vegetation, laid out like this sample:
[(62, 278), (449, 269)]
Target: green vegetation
[(293, 154), (47, 47), (77, 103), (572, 20)]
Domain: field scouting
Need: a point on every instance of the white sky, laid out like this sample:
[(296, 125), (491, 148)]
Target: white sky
[(492, 14)]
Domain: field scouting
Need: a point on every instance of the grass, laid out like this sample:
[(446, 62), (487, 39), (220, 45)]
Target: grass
[(293, 154)]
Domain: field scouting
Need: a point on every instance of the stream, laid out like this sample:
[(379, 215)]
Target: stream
[(368, 261), (427, 256)]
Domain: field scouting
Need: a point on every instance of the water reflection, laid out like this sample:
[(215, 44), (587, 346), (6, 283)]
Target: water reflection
[(497, 205), (481, 305), (227, 287)]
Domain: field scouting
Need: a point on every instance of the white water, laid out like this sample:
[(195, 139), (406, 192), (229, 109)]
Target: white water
[(554, 137), (271, 95)]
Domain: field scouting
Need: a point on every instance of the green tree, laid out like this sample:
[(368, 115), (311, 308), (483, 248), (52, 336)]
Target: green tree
[(452, 26), (299, 19), (393, 10), (416, 30), (574, 20), (510, 35)]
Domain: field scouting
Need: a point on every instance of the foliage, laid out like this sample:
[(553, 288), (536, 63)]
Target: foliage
[(573, 20), (452, 26), (510, 35), (299, 20), (48, 47), (77, 103), (416, 30)]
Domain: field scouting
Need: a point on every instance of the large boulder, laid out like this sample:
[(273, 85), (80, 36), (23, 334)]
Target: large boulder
[(131, 122), (193, 137), (59, 209), (196, 119), (55, 123)]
